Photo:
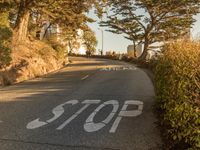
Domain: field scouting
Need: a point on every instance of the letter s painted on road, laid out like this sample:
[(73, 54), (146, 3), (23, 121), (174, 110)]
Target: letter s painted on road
[(57, 111)]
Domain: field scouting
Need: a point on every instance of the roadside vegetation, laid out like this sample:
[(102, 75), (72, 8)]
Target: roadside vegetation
[(177, 83), (5, 40)]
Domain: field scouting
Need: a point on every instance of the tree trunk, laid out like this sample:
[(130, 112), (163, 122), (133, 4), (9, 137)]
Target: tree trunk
[(145, 51), (46, 30), (144, 55), (135, 55), (70, 47), (21, 27)]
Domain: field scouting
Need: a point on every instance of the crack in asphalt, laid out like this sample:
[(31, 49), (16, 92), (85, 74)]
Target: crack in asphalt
[(58, 145)]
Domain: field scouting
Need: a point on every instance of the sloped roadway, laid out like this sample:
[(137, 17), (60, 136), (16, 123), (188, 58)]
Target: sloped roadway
[(91, 104)]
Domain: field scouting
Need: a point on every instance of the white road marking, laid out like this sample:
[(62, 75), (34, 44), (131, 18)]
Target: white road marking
[(57, 111), (125, 113), (36, 124), (115, 125), (118, 68), (88, 103), (90, 126), (85, 77), (91, 101), (72, 117)]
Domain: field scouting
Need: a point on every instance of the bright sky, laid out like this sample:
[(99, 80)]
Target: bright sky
[(118, 43)]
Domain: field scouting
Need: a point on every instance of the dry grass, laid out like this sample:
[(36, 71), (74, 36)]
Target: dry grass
[(29, 60)]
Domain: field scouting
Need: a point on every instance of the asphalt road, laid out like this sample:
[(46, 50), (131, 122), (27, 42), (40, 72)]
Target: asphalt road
[(92, 104)]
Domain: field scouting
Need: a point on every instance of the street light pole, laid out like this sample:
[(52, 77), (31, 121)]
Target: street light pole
[(102, 41), (102, 33)]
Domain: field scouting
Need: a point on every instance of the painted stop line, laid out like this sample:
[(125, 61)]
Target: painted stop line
[(89, 125), (118, 68)]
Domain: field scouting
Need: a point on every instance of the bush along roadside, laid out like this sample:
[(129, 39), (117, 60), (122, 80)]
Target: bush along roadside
[(177, 83), (5, 41)]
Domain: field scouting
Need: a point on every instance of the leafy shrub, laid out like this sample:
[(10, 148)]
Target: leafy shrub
[(177, 77), (5, 40), (58, 47), (5, 57)]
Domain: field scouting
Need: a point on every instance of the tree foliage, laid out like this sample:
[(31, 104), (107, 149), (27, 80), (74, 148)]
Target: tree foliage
[(68, 14), (90, 41), (24, 19), (149, 21), (177, 84), (5, 39)]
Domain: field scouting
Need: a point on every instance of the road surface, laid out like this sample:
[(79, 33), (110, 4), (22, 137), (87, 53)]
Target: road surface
[(92, 104)]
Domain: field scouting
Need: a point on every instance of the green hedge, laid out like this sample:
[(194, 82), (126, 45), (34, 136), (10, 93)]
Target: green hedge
[(177, 82)]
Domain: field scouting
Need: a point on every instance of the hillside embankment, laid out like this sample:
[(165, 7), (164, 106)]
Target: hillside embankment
[(31, 59)]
